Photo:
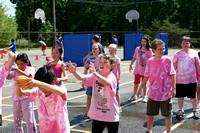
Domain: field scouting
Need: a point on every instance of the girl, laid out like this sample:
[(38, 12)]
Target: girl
[(51, 100), (117, 69), (22, 106), (3, 73), (141, 55), (58, 66), (96, 50), (104, 108)]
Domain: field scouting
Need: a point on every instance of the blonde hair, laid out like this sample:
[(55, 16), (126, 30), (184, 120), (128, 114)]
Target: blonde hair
[(113, 46), (156, 42)]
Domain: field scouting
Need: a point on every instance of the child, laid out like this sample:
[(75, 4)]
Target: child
[(58, 66), (95, 39), (141, 55), (51, 100), (114, 40), (159, 71), (198, 86), (104, 109), (186, 63), (3, 73), (96, 50), (116, 70), (13, 49), (22, 106), (43, 45)]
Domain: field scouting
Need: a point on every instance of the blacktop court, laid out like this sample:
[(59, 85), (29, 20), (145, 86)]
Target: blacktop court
[(132, 118)]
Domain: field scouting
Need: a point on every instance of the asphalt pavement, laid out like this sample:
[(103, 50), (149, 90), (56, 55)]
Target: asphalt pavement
[(133, 118)]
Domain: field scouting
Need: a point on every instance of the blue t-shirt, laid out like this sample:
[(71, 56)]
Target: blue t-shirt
[(115, 41), (59, 43), (13, 49), (43, 43)]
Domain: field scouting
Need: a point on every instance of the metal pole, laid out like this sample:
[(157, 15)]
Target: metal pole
[(137, 26), (29, 32), (54, 22)]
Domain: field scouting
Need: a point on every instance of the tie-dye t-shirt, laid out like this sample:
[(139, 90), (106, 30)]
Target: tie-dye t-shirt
[(52, 110), (142, 56), (104, 105), (186, 69), (115, 69), (159, 72)]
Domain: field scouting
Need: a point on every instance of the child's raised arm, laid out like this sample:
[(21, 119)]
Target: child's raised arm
[(10, 61), (72, 69)]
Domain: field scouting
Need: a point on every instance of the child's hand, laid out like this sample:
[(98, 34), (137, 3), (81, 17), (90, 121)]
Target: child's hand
[(130, 68), (173, 92), (92, 68), (71, 68), (3, 51)]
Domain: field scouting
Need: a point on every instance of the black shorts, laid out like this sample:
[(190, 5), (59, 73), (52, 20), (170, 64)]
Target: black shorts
[(183, 90), (99, 126)]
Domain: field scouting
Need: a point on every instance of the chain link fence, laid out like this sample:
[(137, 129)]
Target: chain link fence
[(21, 38)]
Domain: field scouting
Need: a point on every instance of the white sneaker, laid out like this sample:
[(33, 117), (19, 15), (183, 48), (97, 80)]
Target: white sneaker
[(198, 106), (120, 109), (132, 98), (145, 99)]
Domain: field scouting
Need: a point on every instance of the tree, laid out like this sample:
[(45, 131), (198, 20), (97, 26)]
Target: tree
[(8, 24)]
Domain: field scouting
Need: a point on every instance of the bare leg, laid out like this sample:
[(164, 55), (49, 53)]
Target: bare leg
[(180, 102), (194, 103), (88, 102), (135, 89), (144, 90), (168, 123), (150, 122)]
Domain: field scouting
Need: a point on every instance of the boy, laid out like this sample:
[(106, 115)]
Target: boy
[(43, 45), (104, 108), (161, 75), (13, 48), (116, 70), (186, 63)]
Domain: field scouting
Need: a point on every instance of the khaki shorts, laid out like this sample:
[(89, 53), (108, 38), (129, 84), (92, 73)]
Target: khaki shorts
[(154, 106)]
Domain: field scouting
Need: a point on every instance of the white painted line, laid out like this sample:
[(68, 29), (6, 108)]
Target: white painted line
[(10, 84), (72, 98), (180, 123)]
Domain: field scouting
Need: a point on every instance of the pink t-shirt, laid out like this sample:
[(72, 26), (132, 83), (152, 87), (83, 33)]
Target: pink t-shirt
[(14, 75), (3, 75), (159, 72), (142, 56), (57, 69), (186, 69), (104, 105), (115, 69), (52, 110)]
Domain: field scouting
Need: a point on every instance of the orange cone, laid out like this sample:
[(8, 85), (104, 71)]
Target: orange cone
[(37, 58), (2, 56)]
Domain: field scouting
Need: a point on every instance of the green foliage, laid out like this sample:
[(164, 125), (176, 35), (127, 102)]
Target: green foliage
[(7, 24), (47, 38)]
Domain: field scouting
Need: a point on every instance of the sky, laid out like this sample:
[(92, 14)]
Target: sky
[(10, 6)]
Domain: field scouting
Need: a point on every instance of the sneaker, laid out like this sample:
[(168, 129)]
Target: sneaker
[(198, 106), (145, 99), (85, 116), (196, 115), (44, 54), (132, 98), (180, 115)]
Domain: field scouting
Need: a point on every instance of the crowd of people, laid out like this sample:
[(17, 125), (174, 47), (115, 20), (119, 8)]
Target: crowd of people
[(167, 79)]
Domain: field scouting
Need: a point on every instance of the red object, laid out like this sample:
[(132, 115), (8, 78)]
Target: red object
[(37, 58), (2, 56), (48, 58)]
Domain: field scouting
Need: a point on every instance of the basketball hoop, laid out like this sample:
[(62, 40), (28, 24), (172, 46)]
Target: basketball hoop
[(39, 14), (132, 15)]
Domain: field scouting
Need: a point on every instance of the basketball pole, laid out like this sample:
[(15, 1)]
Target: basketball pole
[(54, 22)]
